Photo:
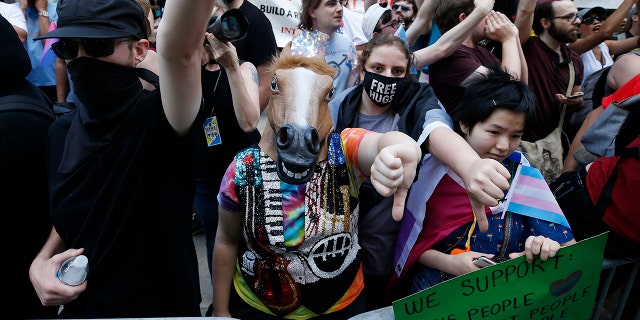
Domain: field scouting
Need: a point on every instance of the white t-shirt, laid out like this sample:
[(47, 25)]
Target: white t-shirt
[(14, 15), (591, 64), (352, 26)]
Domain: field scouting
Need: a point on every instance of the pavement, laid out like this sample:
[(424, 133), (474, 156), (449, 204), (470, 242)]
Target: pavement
[(206, 288)]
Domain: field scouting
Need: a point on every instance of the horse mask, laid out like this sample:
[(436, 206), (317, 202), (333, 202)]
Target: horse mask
[(298, 113)]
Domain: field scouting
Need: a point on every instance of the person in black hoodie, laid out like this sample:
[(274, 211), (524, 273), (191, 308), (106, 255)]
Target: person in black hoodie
[(25, 116), (122, 165)]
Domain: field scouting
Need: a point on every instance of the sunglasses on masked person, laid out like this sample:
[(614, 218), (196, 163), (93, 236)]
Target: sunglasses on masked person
[(68, 49)]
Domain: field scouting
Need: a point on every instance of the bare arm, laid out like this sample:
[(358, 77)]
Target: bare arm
[(224, 259), (243, 81), (621, 46), (422, 23), (245, 91), (607, 29), (501, 29), (44, 268), (264, 84), (484, 179), (524, 19), (43, 22), (62, 82), (453, 38), (178, 46), (626, 67), (22, 33)]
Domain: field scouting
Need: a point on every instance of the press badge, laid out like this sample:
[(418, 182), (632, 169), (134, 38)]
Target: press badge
[(212, 131)]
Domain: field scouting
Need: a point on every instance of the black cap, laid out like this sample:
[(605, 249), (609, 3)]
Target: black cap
[(99, 19), (586, 11)]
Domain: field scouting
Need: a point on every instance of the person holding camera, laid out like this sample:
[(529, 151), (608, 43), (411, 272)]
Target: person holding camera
[(258, 47), (227, 123)]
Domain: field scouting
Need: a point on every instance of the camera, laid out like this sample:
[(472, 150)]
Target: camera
[(230, 26)]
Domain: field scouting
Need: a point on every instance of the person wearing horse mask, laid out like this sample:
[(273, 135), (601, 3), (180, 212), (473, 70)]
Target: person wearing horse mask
[(390, 99)]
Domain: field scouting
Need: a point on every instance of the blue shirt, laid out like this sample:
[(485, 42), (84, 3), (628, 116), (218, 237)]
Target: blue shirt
[(40, 75)]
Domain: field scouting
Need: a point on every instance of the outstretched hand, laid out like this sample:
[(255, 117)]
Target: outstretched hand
[(485, 182), (393, 172)]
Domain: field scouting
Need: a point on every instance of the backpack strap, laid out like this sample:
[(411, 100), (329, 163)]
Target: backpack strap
[(607, 191), (631, 152), (149, 76), (21, 102)]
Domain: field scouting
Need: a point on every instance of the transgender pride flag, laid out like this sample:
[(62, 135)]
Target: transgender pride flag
[(530, 195), (48, 56)]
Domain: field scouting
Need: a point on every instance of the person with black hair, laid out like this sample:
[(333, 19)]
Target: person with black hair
[(493, 113)]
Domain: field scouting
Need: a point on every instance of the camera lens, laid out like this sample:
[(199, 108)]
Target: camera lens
[(231, 27)]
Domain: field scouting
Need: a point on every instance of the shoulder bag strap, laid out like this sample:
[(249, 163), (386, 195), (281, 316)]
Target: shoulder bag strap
[(572, 79)]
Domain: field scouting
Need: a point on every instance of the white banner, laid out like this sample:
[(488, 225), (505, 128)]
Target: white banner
[(284, 16), (607, 4)]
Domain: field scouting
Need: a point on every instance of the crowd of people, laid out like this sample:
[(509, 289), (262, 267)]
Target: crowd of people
[(165, 117)]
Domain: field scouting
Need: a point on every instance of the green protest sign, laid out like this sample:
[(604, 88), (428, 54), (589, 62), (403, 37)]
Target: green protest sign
[(562, 287)]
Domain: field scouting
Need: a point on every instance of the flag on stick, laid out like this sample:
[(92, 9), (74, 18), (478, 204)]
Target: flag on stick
[(530, 195)]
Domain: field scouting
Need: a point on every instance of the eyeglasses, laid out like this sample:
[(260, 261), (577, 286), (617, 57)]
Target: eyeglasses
[(68, 49), (404, 8), (591, 19), (393, 24), (571, 18)]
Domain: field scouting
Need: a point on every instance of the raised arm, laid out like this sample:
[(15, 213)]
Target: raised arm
[(452, 39), (179, 43), (501, 29), (608, 27), (422, 23), (243, 81), (524, 19), (617, 47)]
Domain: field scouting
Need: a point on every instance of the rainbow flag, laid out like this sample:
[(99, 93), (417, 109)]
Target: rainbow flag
[(530, 195), (48, 56)]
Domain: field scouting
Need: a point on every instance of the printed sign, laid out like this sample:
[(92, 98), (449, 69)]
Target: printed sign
[(284, 16), (562, 287)]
